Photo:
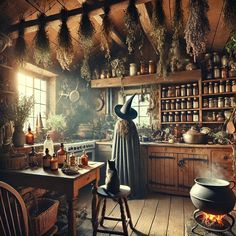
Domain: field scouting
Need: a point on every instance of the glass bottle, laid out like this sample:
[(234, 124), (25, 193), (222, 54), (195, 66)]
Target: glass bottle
[(32, 157), (29, 137), (213, 116), (84, 159), (163, 92), (189, 103), (224, 61), (220, 102), (46, 159), (168, 105), (177, 116), (216, 72), (171, 118), (178, 104), (189, 90), (172, 105), (183, 104), (48, 143), (205, 88), (195, 89), (215, 102), (142, 68), (132, 69), (226, 102), (189, 116), (183, 116), (211, 104), (195, 116), (216, 88), (165, 117), (195, 103), (216, 58), (183, 90), (228, 87), (72, 159), (177, 91), (61, 155), (54, 163), (224, 72), (163, 105), (221, 87), (210, 89), (205, 103), (177, 133), (151, 67)]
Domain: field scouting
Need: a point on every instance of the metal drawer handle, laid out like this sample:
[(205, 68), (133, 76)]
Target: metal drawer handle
[(226, 157)]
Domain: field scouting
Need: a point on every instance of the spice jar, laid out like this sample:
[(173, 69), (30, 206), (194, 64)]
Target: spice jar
[(195, 103), (183, 104), (195, 89), (210, 88), (224, 61), (216, 72), (165, 117), (228, 86), (183, 116), (177, 91), (172, 105), (215, 102), (177, 116), (216, 88), (195, 116), (189, 103), (72, 159), (224, 72), (233, 86), (221, 87), (168, 105), (220, 102), (205, 88), (189, 90), (205, 103), (151, 67), (232, 101), (171, 117), (142, 68), (132, 69), (171, 92), (189, 116), (178, 104), (183, 90), (226, 102), (216, 58), (163, 105), (211, 104), (163, 92)]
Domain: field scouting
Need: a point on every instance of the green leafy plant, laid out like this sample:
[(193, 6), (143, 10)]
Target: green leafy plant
[(231, 43), (56, 122)]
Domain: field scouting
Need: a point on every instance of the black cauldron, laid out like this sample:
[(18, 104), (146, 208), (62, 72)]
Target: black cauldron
[(213, 196)]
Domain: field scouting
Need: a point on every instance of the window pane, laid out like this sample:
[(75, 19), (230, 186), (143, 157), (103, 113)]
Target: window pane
[(43, 85), (29, 92), (29, 81), (143, 111), (144, 121), (43, 97), (37, 83), (37, 96)]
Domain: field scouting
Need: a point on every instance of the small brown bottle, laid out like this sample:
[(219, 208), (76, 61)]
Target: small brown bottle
[(54, 162), (29, 137), (32, 157), (84, 159), (46, 160), (61, 155)]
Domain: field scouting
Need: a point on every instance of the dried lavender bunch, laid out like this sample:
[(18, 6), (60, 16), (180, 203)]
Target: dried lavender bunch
[(65, 51), (158, 35), (42, 44), (229, 14), (106, 39), (20, 48), (132, 24), (197, 28), (86, 30), (178, 31)]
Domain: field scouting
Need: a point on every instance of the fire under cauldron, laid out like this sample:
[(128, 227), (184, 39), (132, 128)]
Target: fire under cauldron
[(214, 200)]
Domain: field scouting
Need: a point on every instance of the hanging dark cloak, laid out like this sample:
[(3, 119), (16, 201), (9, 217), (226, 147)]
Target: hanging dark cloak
[(126, 152)]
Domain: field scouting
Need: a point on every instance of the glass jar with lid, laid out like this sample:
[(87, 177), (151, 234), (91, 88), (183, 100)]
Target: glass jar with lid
[(224, 72), (205, 88), (189, 116), (171, 117), (216, 87), (183, 103), (172, 105), (220, 102), (183, 116), (167, 104), (142, 68), (224, 61), (211, 104), (151, 67), (195, 89), (171, 91), (222, 87), (177, 91), (163, 105), (226, 102), (215, 102), (195, 103), (189, 103), (183, 90), (216, 72), (132, 69), (205, 103), (163, 92), (189, 90), (195, 116), (216, 58), (178, 104), (165, 117), (210, 88), (177, 116), (228, 87)]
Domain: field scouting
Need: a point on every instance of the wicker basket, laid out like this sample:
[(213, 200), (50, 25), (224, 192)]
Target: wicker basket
[(46, 216)]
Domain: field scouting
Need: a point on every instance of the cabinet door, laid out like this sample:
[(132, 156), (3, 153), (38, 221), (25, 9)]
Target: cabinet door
[(222, 164), (162, 173), (191, 166)]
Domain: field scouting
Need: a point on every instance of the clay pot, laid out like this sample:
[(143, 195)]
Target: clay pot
[(18, 137), (213, 196)]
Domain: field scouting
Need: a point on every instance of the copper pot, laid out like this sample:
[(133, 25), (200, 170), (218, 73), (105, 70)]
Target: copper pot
[(194, 137)]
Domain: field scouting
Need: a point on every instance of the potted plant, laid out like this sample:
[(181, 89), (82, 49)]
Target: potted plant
[(20, 111), (56, 125)]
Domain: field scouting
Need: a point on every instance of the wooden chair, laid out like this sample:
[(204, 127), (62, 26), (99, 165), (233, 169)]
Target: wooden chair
[(121, 199)]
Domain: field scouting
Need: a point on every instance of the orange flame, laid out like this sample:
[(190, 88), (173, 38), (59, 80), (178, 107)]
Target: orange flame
[(211, 219)]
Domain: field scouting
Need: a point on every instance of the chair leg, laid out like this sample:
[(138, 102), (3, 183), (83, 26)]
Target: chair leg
[(128, 213), (123, 217), (103, 211), (95, 219)]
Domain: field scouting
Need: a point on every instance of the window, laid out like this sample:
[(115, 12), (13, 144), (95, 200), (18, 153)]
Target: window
[(141, 103), (32, 86)]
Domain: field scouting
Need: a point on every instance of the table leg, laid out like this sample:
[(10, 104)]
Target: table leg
[(71, 216)]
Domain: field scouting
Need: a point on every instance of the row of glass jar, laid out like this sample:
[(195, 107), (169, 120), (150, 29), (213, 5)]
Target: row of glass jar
[(214, 116), (180, 90), (218, 102), (215, 59), (177, 104), (183, 116), (221, 87)]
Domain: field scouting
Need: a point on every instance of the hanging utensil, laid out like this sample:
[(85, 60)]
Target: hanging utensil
[(230, 127), (74, 94)]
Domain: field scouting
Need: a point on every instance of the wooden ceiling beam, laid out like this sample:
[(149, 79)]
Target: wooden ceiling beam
[(146, 23), (95, 9)]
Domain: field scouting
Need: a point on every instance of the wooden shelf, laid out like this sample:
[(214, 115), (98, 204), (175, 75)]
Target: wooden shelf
[(170, 98), (217, 94), (212, 122), (148, 79), (217, 108), (193, 109), (169, 123), (218, 80)]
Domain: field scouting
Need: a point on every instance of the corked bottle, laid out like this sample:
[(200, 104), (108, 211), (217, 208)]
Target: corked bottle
[(84, 159)]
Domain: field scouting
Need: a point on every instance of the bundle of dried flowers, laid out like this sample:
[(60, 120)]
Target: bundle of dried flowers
[(65, 52), (197, 27), (106, 33), (20, 48), (229, 14), (86, 31), (158, 35), (133, 26), (178, 30), (42, 44)]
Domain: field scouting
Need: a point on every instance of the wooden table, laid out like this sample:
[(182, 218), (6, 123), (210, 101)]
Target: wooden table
[(57, 181)]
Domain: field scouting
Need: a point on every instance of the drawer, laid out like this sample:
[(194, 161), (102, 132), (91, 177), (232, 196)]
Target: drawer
[(87, 178), (222, 157)]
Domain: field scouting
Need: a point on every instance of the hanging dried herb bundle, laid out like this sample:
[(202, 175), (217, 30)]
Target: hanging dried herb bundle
[(132, 24), (85, 71), (20, 49), (86, 31), (178, 31), (229, 14), (158, 35), (197, 27), (42, 44), (106, 33), (65, 52)]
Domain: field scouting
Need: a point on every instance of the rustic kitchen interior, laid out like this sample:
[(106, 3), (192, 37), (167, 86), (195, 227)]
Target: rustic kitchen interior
[(65, 65)]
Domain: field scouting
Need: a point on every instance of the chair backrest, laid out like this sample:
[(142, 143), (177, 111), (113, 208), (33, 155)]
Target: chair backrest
[(13, 212)]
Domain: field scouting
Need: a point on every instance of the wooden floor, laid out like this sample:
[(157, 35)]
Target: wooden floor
[(157, 215)]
